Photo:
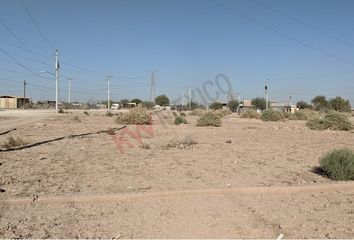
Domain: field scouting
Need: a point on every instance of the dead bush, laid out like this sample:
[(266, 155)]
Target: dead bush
[(135, 116), (13, 142), (290, 116)]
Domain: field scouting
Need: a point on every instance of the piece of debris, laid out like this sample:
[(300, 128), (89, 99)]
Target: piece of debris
[(35, 198), (228, 141)]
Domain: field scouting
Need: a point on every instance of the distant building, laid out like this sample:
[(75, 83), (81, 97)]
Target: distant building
[(284, 107), (12, 102)]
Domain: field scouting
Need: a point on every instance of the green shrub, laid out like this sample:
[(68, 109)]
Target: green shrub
[(209, 119), (272, 115), (135, 116), (338, 164), (179, 120), (109, 114), (305, 114), (332, 120), (251, 113)]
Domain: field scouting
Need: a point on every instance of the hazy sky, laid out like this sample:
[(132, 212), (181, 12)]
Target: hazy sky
[(304, 47)]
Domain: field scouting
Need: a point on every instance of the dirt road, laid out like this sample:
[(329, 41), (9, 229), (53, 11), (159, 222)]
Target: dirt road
[(258, 186)]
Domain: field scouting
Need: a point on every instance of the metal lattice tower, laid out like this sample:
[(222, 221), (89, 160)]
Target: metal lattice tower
[(152, 87)]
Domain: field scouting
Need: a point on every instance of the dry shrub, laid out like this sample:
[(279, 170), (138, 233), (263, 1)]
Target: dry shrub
[(332, 121), (272, 115), (13, 142), (76, 119), (338, 164), (209, 119), (197, 112), (182, 143), (182, 114), (86, 113), (290, 116), (109, 114), (135, 116), (222, 112), (145, 146), (251, 113), (305, 114)]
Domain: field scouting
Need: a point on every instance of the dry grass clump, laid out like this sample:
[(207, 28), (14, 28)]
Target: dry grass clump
[(182, 143), (135, 116), (180, 120), (182, 114), (13, 142), (86, 113), (332, 121), (209, 119), (251, 113), (338, 164), (272, 115)]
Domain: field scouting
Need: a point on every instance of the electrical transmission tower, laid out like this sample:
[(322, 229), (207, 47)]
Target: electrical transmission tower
[(152, 87)]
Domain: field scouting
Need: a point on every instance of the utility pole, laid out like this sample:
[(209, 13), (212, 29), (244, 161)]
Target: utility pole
[(108, 93), (190, 99), (24, 89), (56, 79), (69, 90), (152, 87), (267, 93)]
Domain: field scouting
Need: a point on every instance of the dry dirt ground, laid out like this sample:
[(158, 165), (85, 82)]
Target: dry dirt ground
[(260, 185)]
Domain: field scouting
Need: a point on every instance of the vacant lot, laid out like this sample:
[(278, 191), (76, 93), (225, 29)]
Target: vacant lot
[(246, 179)]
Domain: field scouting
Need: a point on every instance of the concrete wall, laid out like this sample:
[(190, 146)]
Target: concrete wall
[(8, 102)]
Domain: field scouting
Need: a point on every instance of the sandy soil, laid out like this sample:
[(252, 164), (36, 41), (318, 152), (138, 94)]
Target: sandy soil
[(258, 186)]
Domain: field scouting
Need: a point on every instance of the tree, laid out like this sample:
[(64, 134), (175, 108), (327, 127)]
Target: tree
[(303, 105), (162, 100), (136, 100), (215, 105), (259, 103), (339, 104), (233, 105), (319, 103)]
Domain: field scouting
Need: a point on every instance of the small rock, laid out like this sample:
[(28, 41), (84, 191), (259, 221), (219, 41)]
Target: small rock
[(2, 190), (228, 141)]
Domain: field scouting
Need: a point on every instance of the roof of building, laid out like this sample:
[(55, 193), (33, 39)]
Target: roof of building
[(8, 96)]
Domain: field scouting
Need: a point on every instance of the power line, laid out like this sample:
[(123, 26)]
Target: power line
[(36, 25), (270, 28), (22, 43), (303, 23), (20, 64)]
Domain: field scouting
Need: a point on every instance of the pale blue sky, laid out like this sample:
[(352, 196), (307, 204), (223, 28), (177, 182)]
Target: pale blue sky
[(305, 47)]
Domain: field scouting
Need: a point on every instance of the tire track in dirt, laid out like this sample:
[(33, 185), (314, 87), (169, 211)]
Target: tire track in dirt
[(181, 193)]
